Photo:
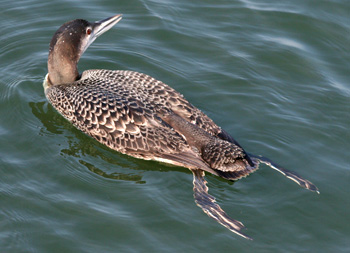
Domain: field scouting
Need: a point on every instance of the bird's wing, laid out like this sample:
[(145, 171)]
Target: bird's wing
[(155, 91), (122, 118)]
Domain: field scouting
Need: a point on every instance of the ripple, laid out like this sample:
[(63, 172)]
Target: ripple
[(273, 74)]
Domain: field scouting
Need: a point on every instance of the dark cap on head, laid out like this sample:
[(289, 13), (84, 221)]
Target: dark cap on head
[(68, 44)]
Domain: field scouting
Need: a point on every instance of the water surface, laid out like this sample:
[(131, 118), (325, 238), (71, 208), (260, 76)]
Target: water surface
[(274, 74)]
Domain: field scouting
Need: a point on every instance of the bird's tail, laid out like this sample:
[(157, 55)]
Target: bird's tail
[(228, 159), (223, 158)]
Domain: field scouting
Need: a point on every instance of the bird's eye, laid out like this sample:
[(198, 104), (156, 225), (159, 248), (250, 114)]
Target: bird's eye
[(88, 31)]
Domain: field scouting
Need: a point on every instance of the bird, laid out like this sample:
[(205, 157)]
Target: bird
[(138, 115)]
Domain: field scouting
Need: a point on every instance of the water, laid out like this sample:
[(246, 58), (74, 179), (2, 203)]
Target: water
[(274, 74)]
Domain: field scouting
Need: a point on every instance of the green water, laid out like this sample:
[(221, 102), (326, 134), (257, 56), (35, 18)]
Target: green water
[(275, 74)]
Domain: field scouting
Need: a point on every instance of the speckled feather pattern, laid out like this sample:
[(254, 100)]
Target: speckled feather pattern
[(140, 116), (124, 110)]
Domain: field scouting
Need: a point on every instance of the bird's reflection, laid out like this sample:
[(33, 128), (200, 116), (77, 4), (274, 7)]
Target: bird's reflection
[(113, 175)]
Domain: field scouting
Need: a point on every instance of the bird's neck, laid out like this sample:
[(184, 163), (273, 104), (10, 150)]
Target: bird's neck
[(62, 63)]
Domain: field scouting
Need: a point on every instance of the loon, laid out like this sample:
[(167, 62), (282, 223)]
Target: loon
[(137, 115)]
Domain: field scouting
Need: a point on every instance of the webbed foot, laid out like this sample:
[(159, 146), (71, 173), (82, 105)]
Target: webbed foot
[(207, 202), (289, 174)]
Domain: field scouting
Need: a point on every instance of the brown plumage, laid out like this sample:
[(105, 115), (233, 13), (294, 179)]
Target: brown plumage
[(140, 116)]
